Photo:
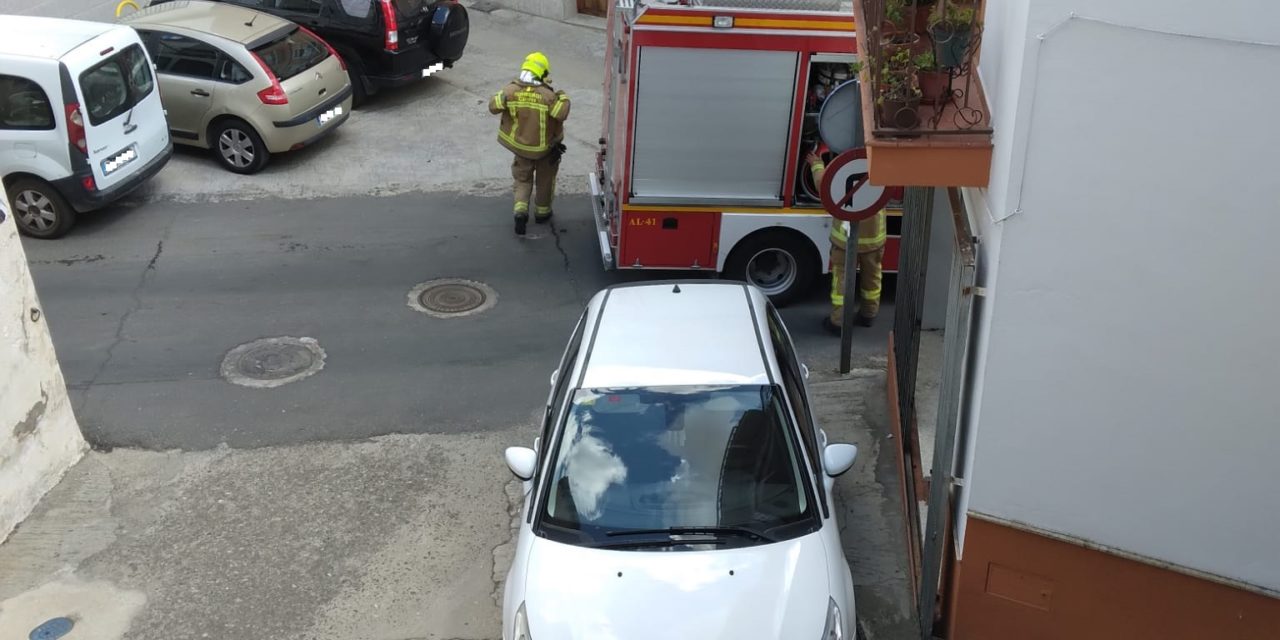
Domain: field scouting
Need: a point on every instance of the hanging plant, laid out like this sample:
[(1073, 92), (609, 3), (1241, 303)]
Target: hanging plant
[(952, 28), (899, 92), (933, 80)]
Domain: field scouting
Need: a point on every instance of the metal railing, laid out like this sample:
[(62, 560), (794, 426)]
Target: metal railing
[(921, 57)]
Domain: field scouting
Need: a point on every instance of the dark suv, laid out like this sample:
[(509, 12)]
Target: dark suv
[(386, 43)]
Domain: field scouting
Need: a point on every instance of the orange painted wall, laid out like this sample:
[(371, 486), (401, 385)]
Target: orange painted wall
[(1014, 584)]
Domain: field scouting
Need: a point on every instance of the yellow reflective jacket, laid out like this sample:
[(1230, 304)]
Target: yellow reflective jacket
[(871, 231), (533, 118)]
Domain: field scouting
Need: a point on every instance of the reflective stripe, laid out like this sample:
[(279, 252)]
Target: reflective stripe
[(499, 101), (522, 207), (867, 242), (544, 210), (560, 102), (870, 294)]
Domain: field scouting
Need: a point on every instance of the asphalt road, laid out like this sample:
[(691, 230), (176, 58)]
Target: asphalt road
[(145, 301)]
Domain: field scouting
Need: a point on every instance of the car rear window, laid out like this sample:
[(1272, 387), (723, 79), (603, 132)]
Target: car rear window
[(292, 54), (116, 84), (357, 8)]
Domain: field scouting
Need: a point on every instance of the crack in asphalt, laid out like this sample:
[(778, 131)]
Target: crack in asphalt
[(564, 256), (136, 295)]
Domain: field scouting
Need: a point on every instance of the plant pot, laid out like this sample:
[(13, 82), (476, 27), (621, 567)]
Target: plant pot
[(893, 42), (898, 113), (951, 43), (933, 86), (924, 11)]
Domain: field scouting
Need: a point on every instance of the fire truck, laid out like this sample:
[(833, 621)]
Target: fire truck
[(710, 108)]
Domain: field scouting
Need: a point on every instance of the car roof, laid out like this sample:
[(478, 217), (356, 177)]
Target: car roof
[(676, 333), (39, 37), (228, 21)]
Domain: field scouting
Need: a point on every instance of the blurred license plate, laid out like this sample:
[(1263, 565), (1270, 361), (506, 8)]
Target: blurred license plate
[(113, 164), (329, 115)]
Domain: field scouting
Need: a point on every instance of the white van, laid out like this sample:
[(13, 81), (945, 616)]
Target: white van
[(80, 119)]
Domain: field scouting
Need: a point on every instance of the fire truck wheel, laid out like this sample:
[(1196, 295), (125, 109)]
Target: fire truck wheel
[(782, 264)]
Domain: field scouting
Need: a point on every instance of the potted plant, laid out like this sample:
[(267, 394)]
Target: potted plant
[(924, 9), (898, 92), (896, 33), (933, 80), (952, 29)]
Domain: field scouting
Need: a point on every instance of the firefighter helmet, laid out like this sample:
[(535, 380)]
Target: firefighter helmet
[(537, 64)]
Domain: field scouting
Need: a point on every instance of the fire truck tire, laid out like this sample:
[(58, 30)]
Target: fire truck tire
[(782, 264)]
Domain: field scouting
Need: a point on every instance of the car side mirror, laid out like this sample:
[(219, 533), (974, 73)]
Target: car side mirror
[(522, 461), (838, 458)]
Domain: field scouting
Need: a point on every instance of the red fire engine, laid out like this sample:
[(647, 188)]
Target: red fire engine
[(710, 107)]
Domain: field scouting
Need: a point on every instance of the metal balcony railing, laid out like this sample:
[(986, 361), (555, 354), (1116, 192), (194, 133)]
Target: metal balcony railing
[(920, 57)]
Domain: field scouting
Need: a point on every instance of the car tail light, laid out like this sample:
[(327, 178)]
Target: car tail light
[(273, 94), (75, 128), (88, 183), (333, 52), (391, 41)]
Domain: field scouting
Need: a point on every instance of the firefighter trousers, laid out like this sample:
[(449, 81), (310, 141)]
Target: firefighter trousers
[(535, 178), (869, 281)]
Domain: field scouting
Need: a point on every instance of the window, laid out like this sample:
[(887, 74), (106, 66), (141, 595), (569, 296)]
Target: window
[(231, 71), (116, 84), (182, 56), (645, 460), (23, 105), (793, 382), (292, 54), (300, 6), (357, 8), (410, 7), (558, 394)]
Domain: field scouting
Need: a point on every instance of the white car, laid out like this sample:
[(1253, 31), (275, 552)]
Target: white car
[(680, 488)]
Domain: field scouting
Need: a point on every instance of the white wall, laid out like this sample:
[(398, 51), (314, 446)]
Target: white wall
[(39, 438), (1128, 350)]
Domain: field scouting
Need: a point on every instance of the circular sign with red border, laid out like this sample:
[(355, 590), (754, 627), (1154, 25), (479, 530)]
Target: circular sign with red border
[(847, 193)]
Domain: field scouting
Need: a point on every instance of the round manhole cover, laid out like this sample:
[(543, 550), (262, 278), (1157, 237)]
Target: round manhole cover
[(452, 298), (272, 362)]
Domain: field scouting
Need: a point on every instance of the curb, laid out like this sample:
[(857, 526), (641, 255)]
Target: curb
[(576, 20)]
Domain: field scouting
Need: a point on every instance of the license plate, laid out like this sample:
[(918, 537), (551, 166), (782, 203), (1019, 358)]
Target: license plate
[(432, 69), (329, 115), (115, 162)]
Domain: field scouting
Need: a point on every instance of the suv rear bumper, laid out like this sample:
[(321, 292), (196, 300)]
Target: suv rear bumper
[(402, 67), (83, 200)]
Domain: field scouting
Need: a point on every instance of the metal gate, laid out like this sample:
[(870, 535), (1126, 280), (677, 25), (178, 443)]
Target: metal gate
[(929, 555)]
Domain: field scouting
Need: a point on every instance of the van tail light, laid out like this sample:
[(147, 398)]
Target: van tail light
[(75, 128), (391, 39), (273, 94), (88, 183), (333, 52)]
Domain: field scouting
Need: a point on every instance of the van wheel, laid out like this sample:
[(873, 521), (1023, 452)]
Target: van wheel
[(39, 210), (238, 148), (781, 264)]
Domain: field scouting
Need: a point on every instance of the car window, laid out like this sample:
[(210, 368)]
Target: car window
[(410, 7), (677, 457), (300, 6), (231, 71), (793, 382), (357, 8), (292, 54), (23, 105), (116, 84), (182, 56)]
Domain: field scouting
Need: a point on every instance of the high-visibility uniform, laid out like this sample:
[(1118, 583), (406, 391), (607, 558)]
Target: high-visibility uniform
[(532, 126), (870, 241)]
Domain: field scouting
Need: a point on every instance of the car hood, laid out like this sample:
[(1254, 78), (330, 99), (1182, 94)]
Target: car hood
[(772, 591)]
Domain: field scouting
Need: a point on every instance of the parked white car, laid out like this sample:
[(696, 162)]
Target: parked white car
[(680, 488), (81, 123)]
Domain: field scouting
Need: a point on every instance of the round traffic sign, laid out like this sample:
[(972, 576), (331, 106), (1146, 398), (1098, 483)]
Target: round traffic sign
[(846, 191)]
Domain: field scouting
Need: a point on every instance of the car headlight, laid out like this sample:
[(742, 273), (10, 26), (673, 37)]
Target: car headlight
[(522, 625), (835, 623)]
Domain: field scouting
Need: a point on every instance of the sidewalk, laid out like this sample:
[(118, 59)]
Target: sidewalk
[(399, 537)]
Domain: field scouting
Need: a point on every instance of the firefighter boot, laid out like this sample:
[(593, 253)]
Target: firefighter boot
[(522, 220), (541, 216)]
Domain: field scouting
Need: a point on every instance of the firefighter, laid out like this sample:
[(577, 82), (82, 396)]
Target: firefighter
[(870, 252), (532, 128)]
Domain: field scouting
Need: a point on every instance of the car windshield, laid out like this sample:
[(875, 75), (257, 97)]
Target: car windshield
[(292, 54), (116, 84), (717, 460)]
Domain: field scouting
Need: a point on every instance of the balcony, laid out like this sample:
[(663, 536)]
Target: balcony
[(924, 110)]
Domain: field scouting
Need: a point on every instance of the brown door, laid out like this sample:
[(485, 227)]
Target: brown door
[(593, 7)]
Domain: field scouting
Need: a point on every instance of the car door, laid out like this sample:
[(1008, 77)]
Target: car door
[(187, 69)]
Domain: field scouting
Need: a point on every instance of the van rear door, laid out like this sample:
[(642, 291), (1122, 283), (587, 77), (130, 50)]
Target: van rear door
[(119, 105)]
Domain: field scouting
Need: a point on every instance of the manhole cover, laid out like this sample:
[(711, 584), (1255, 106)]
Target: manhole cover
[(452, 298), (272, 362)]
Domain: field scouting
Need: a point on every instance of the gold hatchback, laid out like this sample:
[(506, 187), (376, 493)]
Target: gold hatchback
[(242, 83)]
